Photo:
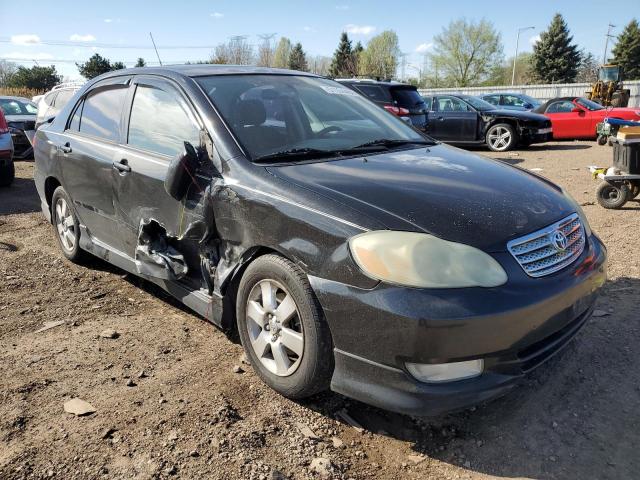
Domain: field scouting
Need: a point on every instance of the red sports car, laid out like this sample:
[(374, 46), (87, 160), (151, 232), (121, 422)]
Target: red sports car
[(577, 117)]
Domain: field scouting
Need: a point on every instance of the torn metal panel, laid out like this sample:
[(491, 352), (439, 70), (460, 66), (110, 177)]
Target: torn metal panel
[(154, 256)]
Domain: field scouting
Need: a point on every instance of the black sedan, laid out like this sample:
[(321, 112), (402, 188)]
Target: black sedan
[(348, 250), (466, 120)]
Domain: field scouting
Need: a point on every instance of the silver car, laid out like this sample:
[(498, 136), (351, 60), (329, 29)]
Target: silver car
[(20, 114), (6, 153)]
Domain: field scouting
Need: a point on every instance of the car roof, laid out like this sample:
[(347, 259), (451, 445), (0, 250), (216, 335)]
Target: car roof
[(371, 81), (13, 97)]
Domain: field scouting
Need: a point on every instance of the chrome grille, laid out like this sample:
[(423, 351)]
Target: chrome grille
[(537, 253)]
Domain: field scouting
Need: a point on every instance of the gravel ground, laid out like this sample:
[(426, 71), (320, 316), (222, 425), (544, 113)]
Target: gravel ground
[(170, 400)]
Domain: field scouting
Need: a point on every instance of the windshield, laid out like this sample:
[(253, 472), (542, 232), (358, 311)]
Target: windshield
[(13, 106), (589, 105), (478, 103), (609, 74), (271, 114)]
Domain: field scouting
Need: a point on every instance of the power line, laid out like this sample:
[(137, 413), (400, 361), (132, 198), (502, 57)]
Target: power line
[(62, 43)]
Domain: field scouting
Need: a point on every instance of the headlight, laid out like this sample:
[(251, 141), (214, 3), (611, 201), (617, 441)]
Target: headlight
[(422, 260)]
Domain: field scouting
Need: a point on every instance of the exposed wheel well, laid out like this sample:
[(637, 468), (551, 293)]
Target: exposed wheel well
[(50, 185)]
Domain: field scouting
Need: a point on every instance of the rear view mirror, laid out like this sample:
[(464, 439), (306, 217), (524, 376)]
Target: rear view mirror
[(181, 172)]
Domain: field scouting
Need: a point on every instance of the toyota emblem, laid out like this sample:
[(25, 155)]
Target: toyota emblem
[(558, 240)]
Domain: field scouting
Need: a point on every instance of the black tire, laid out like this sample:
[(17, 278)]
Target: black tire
[(602, 139), (510, 143), (617, 100), (634, 189), (7, 174), (75, 253), (313, 373), (612, 197)]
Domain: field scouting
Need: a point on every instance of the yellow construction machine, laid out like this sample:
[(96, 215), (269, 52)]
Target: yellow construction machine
[(608, 90)]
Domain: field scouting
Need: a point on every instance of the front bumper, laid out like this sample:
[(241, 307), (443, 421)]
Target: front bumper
[(22, 143), (534, 135), (514, 328)]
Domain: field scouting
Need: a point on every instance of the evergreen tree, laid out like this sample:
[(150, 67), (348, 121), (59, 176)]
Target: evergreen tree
[(342, 63), (97, 65), (298, 59), (141, 62), (40, 78), (627, 51), (555, 58)]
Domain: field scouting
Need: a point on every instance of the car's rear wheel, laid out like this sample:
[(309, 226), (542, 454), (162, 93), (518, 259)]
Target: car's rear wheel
[(66, 226), (610, 196), (7, 174), (282, 328), (501, 137)]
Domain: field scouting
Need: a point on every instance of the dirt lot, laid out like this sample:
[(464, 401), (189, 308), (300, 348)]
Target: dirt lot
[(168, 402)]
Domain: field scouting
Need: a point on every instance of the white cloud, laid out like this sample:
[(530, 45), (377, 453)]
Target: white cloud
[(26, 39), (108, 20), (76, 37), (342, 7), (28, 55), (217, 15), (535, 39), (359, 29), (423, 47), (307, 28)]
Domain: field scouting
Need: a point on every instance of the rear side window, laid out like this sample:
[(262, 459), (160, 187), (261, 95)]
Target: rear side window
[(49, 98), (101, 113), (492, 99), (407, 97), (63, 98), (160, 123), (373, 93)]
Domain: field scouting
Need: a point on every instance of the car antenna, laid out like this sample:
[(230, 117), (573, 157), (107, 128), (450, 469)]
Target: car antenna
[(155, 48)]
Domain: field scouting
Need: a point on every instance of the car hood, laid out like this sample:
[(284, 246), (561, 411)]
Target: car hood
[(518, 114), (441, 190), (612, 111), (20, 118)]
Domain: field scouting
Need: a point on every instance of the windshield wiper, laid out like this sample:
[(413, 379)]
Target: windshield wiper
[(388, 143), (297, 153)]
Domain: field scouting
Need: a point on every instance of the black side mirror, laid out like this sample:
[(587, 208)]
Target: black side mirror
[(181, 172), (528, 106)]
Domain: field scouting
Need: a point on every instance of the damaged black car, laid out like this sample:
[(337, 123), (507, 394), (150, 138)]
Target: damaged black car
[(349, 250)]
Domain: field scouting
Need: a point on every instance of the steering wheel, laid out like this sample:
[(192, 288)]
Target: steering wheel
[(330, 129)]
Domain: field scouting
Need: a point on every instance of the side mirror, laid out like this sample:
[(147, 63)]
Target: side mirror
[(528, 106), (181, 172), (577, 110)]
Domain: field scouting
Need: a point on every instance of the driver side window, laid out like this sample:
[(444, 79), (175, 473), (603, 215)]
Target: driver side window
[(451, 104), (563, 106)]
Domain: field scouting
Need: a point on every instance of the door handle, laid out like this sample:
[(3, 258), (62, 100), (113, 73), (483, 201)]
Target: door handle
[(122, 166), (66, 148)]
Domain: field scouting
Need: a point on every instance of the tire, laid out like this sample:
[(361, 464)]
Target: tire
[(634, 189), (501, 137), (602, 140), (617, 100), (66, 226), (306, 368), (612, 197), (7, 174)]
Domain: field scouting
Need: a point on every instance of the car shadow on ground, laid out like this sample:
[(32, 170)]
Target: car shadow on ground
[(556, 423), (20, 197)]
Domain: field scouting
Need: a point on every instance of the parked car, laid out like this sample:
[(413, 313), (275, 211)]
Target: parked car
[(511, 101), (349, 250), (20, 114), (577, 117), (52, 102), (467, 120), (401, 99), (7, 171)]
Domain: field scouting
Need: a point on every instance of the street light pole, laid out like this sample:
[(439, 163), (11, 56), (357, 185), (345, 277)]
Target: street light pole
[(606, 43), (513, 73)]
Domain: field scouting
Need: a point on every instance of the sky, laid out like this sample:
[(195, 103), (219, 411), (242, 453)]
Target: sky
[(81, 29)]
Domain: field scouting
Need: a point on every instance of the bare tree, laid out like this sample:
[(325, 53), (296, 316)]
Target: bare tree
[(319, 64), (235, 52), (7, 69), (266, 50)]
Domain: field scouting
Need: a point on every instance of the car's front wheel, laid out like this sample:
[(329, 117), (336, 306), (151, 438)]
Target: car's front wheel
[(282, 328), (66, 226), (501, 137)]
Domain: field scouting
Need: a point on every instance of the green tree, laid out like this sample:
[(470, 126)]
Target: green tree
[(342, 64), (555, 57), (356, 55), (298, 59), (627, 51), (141, 62), (97, 65), (380, 57), (467, 52), (281, 55), (40, 78), (501, 73)]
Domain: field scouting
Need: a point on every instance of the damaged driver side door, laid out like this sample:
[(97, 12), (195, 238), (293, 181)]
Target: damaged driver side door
[(152, 224)]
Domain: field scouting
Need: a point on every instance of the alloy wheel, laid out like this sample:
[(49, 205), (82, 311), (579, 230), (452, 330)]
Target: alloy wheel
[(65, 225), (499, 138), (274, 326)]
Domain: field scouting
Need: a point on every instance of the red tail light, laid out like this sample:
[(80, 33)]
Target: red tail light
[(4, 128), (398, 111)]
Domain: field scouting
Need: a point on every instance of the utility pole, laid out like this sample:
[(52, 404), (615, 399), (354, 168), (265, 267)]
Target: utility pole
[(606, 42), (266, 48), (515, 57), (403, 66)]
